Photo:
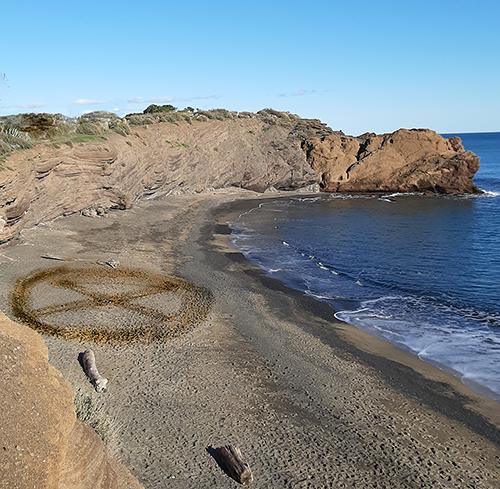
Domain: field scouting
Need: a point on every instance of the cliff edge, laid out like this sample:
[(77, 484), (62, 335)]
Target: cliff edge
[(42, 442), (102, 162)]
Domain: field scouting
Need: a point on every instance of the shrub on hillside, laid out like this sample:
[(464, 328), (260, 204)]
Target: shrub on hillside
[(155, 109), (100, 115), (217, 114), (12, 139), (120, 127), (135, 119), (89, 127)]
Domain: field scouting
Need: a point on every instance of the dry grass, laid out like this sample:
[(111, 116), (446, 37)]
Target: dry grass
[(89, 410)]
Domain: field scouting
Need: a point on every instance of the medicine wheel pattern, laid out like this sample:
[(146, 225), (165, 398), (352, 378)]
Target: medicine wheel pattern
[(119, 305)]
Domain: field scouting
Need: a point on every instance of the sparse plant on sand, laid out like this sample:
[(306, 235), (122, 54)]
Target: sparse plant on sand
[(83, 138), (90, 411)]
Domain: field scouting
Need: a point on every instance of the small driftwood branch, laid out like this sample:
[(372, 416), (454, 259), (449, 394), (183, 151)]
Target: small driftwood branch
[(88, 363), (230, 457), (49, 257), (109, 263)]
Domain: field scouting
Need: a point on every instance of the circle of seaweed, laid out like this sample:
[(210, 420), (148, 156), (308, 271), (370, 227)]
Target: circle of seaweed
[(196, 303)]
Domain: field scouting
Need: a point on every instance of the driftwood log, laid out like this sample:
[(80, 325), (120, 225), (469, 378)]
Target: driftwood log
[(88, 363), (230, 458), (109, 263)]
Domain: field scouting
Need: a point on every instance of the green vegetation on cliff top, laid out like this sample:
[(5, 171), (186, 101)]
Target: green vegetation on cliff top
[(23, 131)]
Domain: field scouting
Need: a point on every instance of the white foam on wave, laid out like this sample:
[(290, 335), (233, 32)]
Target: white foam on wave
[(385, 198), (426, 327), (403, 194), (246, 213), (318, 296), (309, 199), (460, 348), (369, 322), (349, 196), (487, 193)]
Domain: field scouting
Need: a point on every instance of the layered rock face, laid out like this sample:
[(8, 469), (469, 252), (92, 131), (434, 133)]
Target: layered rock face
[(156, 159), (41, 441), (417, 160)]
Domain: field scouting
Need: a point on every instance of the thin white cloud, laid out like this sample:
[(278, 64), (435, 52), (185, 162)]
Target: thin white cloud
[(141, 100), (202, 97), (87, 111), (84, 101), (300, 93), (154, 100), (35, 105)]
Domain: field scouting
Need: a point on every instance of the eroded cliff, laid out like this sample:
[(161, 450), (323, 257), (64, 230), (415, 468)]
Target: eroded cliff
[(146, 158), (113, 171)]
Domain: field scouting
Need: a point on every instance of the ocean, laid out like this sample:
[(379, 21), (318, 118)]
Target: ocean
[(422, 272)]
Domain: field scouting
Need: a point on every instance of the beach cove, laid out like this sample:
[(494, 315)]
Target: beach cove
[(310, 401)]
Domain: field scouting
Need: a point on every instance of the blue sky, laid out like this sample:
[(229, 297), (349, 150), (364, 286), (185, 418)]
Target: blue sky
[(358, 66)]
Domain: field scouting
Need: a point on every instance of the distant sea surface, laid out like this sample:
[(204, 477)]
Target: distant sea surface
[(421, 272)]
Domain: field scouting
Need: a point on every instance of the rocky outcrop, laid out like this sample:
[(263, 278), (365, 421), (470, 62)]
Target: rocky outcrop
[(154, 160), (417, 160), (270, 151), (42, 444)]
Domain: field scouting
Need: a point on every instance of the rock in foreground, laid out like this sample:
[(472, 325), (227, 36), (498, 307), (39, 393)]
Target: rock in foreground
[(42, 443)]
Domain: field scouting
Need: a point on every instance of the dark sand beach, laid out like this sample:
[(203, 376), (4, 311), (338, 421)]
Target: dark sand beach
[(310, 401)]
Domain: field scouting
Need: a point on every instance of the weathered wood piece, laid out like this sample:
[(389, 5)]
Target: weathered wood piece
[(109, 263), (88, 363), (230, 457), (50, 257)]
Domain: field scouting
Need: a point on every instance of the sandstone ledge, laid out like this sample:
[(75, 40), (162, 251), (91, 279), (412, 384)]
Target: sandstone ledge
[(43, 445)]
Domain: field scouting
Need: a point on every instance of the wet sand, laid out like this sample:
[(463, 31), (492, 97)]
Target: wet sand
[(311, 401)]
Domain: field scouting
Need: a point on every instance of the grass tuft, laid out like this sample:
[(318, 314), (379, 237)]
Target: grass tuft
[(90, 412)]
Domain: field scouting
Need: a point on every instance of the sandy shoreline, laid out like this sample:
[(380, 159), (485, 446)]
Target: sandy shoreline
[(311, 401)]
